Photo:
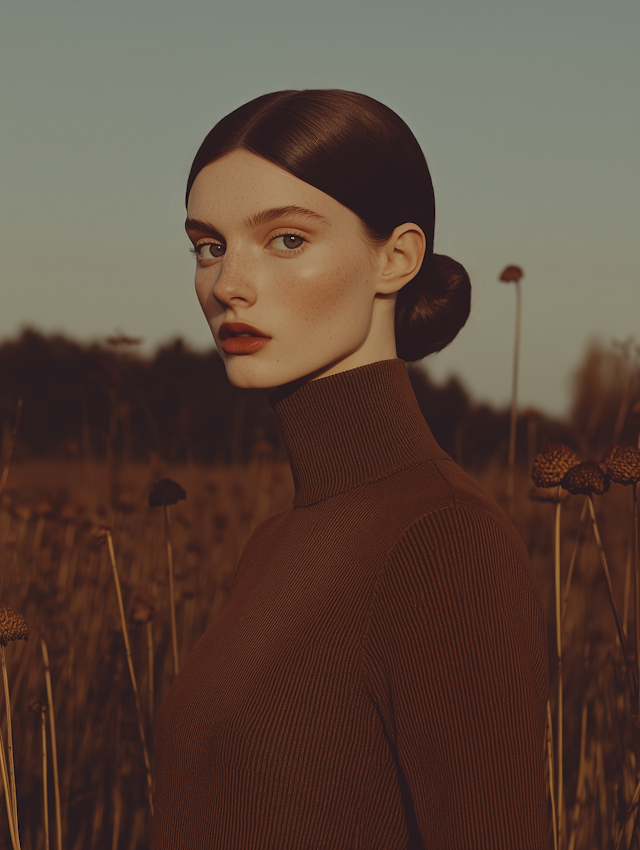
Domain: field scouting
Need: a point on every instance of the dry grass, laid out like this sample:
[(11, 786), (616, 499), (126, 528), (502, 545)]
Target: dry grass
[(59, 576)]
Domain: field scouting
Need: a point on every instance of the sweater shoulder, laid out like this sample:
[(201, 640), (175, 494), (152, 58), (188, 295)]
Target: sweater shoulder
[(439, 484)]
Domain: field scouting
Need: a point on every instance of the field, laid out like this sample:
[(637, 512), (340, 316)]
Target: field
[(57, 572)]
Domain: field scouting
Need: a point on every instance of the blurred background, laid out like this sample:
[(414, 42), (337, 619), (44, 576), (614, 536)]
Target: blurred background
[(526, 111), (109, 380)]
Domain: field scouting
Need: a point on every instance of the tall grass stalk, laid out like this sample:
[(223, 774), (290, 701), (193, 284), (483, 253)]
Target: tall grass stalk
[(172, 596), (636, 571), (12, 773), (149, 630), (45, 794), (574, 555), (612, 602), (132, 674), (559, 654), (513, 274), (54, 748), (15, 842), (514, 406), (581, 779), (554, 818)]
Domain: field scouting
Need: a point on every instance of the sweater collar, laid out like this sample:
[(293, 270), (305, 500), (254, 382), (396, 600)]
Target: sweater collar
[(351, 428)]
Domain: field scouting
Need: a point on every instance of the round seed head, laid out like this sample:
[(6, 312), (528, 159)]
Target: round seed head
[(142, 609), (622, 464), (635, 411), (586, 478), (511, 274), (552, 464), (100, 532), (12, 626), (165, 492)]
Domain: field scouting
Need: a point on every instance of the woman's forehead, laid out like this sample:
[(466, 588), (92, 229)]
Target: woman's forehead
[(245, 185)]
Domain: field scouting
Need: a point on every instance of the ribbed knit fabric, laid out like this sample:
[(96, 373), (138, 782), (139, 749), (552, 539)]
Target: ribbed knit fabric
[(378, 677)]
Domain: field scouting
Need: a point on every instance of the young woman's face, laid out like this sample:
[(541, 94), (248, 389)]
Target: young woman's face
[(291, 262)]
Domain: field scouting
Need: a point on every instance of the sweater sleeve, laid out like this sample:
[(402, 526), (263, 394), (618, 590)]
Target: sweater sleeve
[(455, 663)]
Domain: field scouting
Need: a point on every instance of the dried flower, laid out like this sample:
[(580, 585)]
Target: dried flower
[(586, 478), (165, 492), (552, 464), (13, 626), (511, 274), (143, 609), (37, 707), (100, 532), (23, 512), (622, 464), (43, 509)]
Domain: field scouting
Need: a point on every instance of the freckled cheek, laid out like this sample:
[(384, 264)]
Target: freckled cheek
[(322, 295)]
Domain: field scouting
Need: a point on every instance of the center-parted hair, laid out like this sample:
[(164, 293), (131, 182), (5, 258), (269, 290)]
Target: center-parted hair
[(363, 155)]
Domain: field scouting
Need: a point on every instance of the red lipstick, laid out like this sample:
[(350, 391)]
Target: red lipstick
[(241, 338)]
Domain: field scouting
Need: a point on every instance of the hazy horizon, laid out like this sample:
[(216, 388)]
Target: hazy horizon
[(526, 111)]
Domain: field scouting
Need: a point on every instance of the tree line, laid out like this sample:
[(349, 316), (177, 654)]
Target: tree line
[(107, 401)]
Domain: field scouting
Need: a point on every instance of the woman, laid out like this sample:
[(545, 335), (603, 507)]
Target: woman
[(378, 677)]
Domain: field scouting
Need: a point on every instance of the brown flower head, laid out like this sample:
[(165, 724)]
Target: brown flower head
[(622, 464), (23, 512), (37, 707), (143, 609), (12, 626), (43, 509), (100, 532), (165, 492), (634, 412), (511, 274), (552, 464), (586, 478)]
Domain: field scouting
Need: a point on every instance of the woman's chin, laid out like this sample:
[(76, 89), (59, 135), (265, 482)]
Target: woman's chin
[(252, 376)]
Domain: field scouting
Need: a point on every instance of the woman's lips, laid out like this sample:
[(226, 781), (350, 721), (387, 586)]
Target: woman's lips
[(241, 338), (244, 344)]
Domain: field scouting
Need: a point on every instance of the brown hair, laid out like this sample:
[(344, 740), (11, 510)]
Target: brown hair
[(363, 155)]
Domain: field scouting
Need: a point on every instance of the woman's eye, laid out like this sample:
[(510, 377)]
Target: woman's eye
[(288, 241), (209, 250)]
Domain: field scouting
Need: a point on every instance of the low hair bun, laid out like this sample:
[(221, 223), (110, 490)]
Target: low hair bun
[(432, 308)]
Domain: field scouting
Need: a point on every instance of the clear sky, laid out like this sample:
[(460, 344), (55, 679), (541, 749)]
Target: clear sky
[(527, 111)]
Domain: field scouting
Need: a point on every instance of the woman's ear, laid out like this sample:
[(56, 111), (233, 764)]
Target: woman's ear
[(401, 257)]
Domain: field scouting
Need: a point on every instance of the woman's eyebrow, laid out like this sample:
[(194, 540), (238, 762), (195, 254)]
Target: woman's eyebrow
[(194, 225), (265, 216)]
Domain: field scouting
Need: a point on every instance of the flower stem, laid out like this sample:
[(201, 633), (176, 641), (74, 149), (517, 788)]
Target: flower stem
[(54, 749), (607, 575), (554, 819), (559, 652), (514, 407), (43, 726), (132, 674), (634, 554), (12, 773), (172, 598), (7, 796)]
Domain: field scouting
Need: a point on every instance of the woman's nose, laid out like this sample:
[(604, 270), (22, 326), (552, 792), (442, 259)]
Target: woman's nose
[(234, 283)]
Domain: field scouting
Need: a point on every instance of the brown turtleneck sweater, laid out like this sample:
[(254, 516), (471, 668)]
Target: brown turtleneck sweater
[(378, 677)]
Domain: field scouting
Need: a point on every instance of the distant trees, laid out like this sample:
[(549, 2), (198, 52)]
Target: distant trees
[(101, 400)]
